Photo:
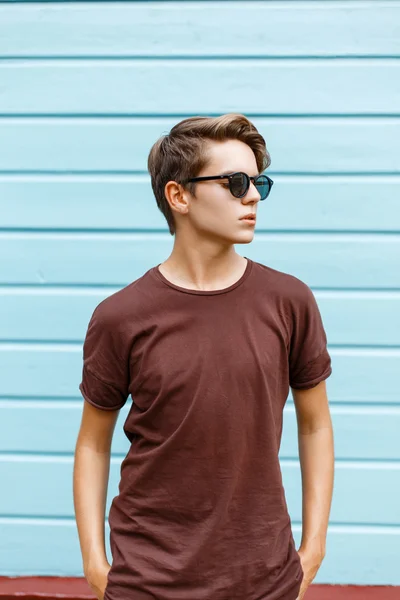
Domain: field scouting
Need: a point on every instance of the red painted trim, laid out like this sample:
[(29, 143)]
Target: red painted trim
[(77, 588), (45, 588)]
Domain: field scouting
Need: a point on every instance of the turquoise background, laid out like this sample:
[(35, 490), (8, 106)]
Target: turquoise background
[(85, 90)]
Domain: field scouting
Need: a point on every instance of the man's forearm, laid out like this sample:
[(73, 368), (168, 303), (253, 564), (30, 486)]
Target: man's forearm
[(316, 453), (90, 481)]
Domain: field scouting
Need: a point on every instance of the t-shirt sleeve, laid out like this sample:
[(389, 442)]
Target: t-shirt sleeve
[(105, 372), (309, 359)]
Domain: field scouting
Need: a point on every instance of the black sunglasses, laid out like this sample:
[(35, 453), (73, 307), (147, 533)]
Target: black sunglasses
[(239, 183)]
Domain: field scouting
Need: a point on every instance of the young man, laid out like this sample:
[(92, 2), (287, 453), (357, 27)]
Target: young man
[(208, 344)]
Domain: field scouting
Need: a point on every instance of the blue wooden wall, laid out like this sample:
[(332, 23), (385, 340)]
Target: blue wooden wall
[(85, 90)]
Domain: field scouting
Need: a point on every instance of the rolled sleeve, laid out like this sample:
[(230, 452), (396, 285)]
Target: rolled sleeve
[(105, 371), (309, 359)]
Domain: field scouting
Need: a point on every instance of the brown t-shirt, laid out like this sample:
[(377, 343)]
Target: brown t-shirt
[(201, 512)]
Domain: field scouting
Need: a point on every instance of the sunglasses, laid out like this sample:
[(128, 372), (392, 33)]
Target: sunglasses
[(239, 183)]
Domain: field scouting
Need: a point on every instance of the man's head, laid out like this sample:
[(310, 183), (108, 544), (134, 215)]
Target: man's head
[(208, 146)]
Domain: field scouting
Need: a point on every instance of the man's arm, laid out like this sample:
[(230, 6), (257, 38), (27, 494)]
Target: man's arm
[(90, 482), (316, 453)]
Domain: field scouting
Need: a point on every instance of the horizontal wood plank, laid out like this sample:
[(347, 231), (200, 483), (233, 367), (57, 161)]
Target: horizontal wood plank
[(51, 427), (321, 260), (363, 555), (34, 315), (48, 371), (299, 145), (297, 203), (143, 87), (355, 501), (138, 29)]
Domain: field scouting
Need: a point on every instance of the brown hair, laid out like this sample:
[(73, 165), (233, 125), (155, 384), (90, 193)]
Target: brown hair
[(182, 153)]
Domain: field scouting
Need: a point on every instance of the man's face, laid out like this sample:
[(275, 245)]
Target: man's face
[(215, 212)]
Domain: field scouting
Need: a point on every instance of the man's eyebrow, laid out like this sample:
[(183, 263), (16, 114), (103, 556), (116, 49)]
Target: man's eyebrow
[(229, 172)]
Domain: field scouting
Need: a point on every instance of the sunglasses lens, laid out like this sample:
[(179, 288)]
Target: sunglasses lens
[(263, 186), (239, 185)]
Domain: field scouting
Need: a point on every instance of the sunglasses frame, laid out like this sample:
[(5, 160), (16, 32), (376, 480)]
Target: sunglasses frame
[(230, 176)]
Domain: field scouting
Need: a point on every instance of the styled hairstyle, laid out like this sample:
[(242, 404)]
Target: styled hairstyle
[(183, 153)]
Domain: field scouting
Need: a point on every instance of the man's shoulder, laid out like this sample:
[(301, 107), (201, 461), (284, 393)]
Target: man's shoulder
[(283, 283), (126, 302)]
